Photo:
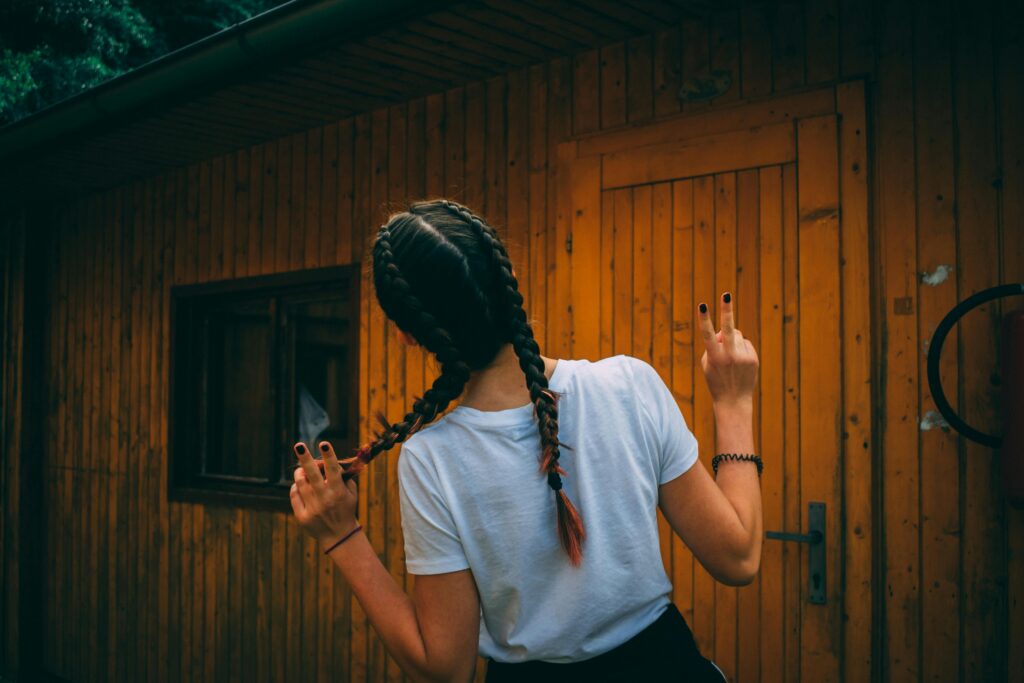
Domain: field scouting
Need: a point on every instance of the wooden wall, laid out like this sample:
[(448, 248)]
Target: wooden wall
[(145, 589)]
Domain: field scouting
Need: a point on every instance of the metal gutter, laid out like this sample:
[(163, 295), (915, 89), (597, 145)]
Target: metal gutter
[(294, 28)]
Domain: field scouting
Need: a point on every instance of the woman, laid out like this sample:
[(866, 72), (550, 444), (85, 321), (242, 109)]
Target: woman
[(550, 574)]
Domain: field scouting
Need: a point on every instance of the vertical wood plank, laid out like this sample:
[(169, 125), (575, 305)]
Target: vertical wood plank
[(773, 400), (495, 156), (622, 266), (643, 286), (149, 539), (475, 195), (639, 82), (683, 317), (668, 55), (241, 197), (281, 246), (856, 38), (538, 232), (587, 109), (898, 263), (726, 599), (311, 254), (397, 404), (297, 205), (696, 57), (704, 284), (725, 53), (585, 232), (756, 50), (793, 569), (455, 143), (606, 281), (1011, 99), (379, 343), (820, 385), (746, 307), (788, 45), (984, 562), (858, 379), (561, 322), (92, 538), (936, 246), (559, 127), (342, 229), (821, 19), (363, 227), (661, 319), (517, 186)]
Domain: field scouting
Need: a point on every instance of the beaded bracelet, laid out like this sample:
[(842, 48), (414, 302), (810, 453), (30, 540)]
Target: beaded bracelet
[(343, 539), (747, 457)]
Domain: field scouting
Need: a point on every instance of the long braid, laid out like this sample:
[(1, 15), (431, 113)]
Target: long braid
[(405, 308), (570, 526)]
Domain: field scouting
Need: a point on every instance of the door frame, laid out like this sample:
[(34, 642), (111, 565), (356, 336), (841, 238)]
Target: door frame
[(799, 127)]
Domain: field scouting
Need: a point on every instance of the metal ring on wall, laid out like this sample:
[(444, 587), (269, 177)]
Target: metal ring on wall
[(935, 353)]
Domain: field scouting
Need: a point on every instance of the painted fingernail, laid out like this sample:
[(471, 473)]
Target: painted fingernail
[(300, 449), (727, 297), (324, 447), (703, 308)]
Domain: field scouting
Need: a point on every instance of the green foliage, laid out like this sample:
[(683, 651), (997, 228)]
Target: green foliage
[(54, 49)]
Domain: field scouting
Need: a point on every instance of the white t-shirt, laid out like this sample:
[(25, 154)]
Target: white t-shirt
[(472, 496)]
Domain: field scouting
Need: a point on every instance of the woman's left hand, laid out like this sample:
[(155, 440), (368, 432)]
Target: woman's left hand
[(324, 504)]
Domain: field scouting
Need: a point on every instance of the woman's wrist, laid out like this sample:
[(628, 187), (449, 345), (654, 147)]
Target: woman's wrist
[(734, 408), (334, 539), (734, 427)]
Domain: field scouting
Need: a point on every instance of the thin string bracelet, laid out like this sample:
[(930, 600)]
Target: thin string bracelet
[(747, 457), (343, 539)]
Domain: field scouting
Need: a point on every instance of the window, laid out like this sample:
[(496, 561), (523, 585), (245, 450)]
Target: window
[(258, 364)]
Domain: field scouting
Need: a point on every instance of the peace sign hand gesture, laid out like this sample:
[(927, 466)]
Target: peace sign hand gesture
[(324, 503), (729, 361)]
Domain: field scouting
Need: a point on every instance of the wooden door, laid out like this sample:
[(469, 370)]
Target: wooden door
[(748, 200)]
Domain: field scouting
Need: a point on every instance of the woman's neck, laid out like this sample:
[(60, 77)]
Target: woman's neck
[(501, 385)]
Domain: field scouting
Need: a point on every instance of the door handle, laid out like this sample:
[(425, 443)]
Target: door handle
[(815, 540)]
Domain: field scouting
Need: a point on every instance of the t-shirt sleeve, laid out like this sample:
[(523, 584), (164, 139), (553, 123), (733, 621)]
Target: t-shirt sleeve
[(432, 544), (678, 450)]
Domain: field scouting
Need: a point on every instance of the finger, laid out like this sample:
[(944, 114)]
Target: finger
[(305, 486), (313, 477), (725, 313), (298, 505), (707, 329), (331, 466)]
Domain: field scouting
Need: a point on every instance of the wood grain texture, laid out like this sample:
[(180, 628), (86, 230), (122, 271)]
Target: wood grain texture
[(932, 575)]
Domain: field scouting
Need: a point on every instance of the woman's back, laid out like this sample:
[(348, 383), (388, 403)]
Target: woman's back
[(473, 497)]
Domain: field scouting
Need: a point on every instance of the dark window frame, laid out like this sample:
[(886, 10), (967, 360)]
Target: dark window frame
[(188, 431)]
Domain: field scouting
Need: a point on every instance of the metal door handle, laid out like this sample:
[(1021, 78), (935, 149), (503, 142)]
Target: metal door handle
[(815, 539)]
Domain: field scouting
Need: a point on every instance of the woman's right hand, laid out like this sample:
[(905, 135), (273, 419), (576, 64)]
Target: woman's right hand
[(729, 361), (323, 502)]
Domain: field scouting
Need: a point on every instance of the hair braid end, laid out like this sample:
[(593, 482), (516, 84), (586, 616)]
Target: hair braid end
[(570, 528)]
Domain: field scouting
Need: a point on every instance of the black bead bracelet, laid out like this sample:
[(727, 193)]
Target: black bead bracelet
[(747, 457)]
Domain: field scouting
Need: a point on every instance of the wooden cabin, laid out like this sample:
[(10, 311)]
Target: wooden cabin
[(184, 286)]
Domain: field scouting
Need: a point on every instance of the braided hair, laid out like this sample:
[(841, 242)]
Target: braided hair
[(473, 310)]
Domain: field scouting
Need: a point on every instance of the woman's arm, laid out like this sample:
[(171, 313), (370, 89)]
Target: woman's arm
[(432, 636), (720, 520)]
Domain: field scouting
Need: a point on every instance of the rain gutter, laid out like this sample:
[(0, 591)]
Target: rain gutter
[(286, 31)]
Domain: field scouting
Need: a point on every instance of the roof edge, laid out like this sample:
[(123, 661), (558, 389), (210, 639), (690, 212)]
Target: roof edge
[(295, 25)]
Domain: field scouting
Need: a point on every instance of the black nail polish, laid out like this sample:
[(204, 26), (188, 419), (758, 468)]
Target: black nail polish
[(703, 308), (727, 297), (300, 449), (324, 447)]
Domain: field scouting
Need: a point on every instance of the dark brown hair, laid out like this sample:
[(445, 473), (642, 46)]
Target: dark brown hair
[(443, 276)]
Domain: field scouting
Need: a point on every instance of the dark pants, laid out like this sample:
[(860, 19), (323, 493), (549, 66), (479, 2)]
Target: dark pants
[(664, 651)]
